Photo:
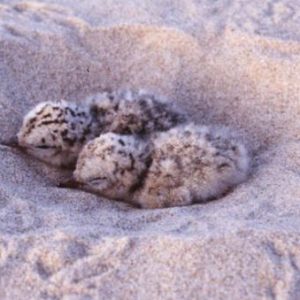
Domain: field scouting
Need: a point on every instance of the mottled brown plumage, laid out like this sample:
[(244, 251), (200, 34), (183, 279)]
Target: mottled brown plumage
[(130, 112), (192, 164), (55, 132), (112, 165), (185, 165)]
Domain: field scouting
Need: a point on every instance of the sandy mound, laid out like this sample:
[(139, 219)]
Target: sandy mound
[(231, 63)]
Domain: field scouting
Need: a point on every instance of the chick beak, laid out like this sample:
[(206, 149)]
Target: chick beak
[(70, 184), (13, 144)]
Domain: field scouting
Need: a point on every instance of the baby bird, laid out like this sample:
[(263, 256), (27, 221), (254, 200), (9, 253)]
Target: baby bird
[(129, 112), (192, 164), (184, 165), (55, 132), (112, 165)]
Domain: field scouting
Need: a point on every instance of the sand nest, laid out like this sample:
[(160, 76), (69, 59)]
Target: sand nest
[(229, 63)]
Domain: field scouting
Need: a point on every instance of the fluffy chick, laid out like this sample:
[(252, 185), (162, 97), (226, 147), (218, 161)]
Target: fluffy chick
[(112, 165), (130, 112), (55, 132), (184, 165), (192, 164)]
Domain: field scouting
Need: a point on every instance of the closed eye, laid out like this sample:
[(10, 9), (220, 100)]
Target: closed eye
[(223, 166), (45, 147), (97, 180)]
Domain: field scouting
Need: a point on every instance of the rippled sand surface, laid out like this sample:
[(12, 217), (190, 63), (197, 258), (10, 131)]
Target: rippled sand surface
[(226, 62)]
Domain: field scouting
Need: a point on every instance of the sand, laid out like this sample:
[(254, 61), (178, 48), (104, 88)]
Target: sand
[(233, 62)]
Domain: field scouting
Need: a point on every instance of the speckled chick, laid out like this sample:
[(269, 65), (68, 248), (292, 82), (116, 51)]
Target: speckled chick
[(129, 112), (112, 165), (192, 164), (185, 165), (55, 132)]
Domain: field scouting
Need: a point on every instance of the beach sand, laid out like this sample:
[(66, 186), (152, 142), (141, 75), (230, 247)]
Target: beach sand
[(232, 62)]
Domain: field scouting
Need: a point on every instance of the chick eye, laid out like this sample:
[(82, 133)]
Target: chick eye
[(223, 166), (45, 147), (97, 180)]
